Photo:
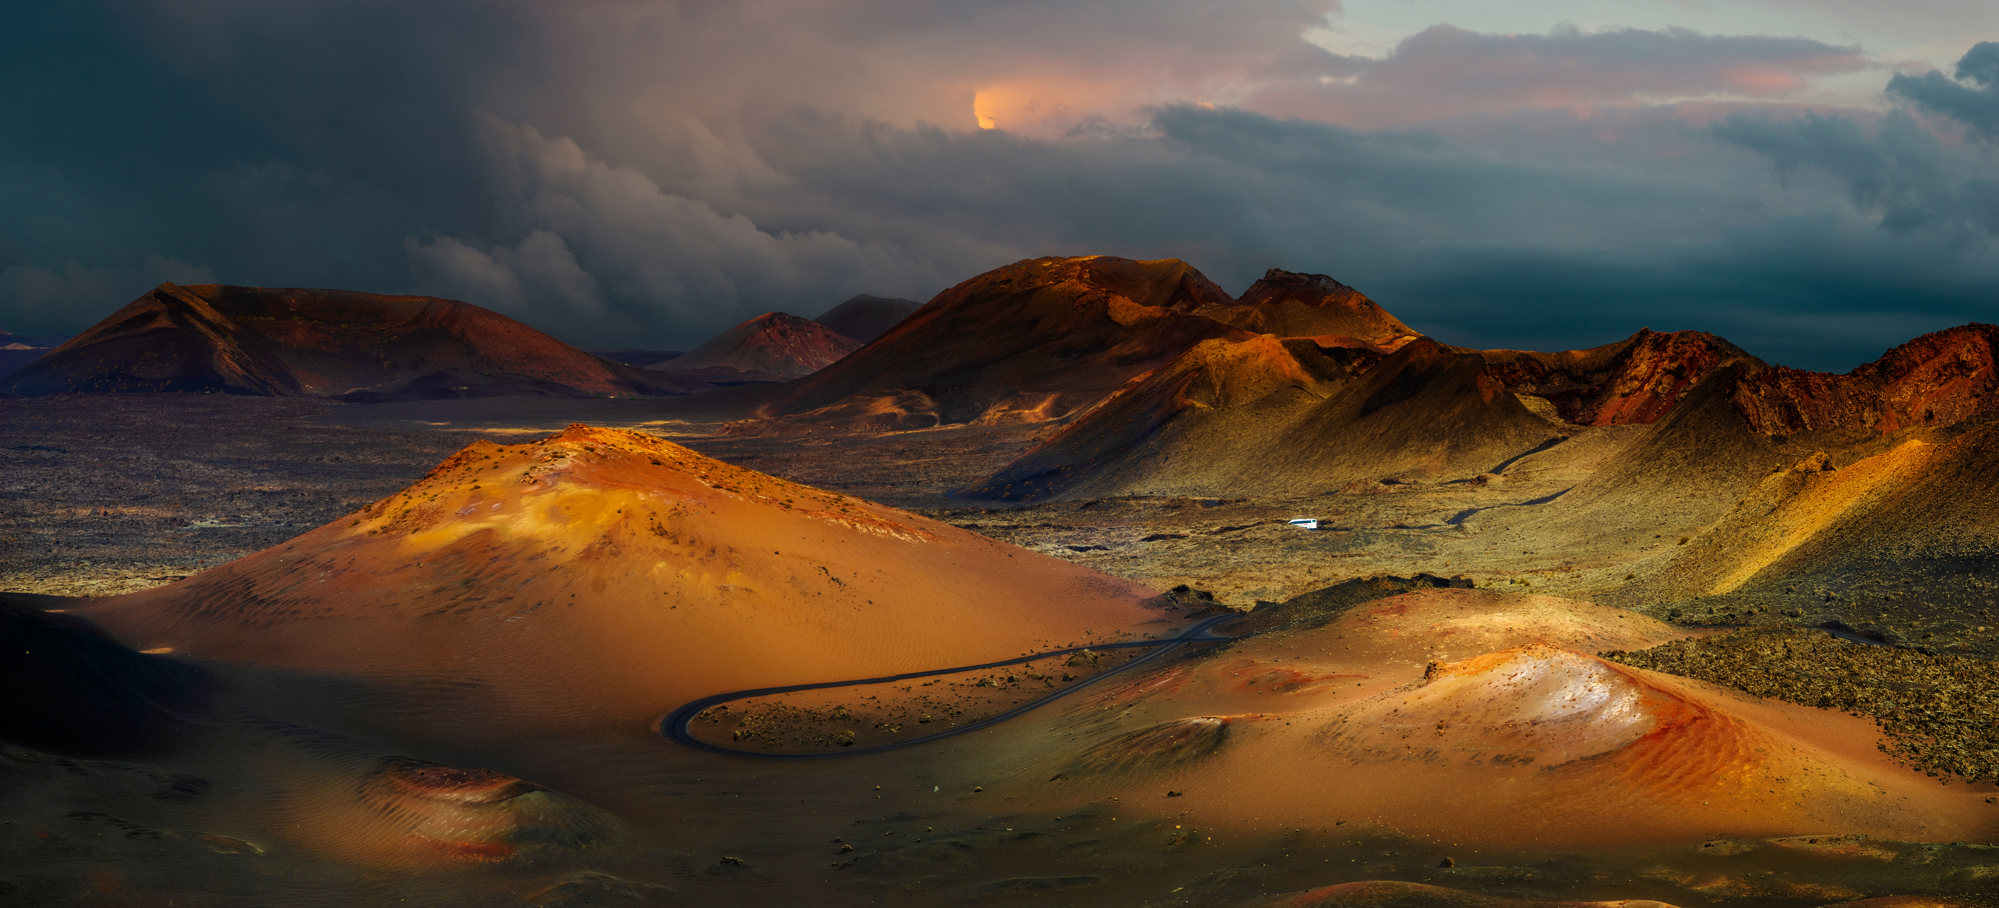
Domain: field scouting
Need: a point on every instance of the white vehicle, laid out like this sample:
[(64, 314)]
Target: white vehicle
[(1305, 523)]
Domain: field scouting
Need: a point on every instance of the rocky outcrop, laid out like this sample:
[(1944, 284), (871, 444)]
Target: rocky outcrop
[(1938, 379), (1636, 380)]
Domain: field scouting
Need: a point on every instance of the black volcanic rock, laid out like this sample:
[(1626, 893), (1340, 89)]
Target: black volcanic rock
[(18, 350)]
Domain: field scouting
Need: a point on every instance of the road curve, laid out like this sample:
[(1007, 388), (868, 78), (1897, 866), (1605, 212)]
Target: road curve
[(674, 726)]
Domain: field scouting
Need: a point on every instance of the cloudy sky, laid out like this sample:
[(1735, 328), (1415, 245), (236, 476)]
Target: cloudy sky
[(1813, 179)]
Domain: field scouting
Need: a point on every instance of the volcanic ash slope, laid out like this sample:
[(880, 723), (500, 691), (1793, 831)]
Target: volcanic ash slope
[(601, 575), (1482, 717)]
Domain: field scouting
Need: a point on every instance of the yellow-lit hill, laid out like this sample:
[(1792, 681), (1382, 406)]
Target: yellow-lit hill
[(607, 576), (1854, 542), (1264, 416), (1820, 496)]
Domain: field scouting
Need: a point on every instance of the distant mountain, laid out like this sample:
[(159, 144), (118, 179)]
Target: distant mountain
[(774, 346), (1402, 407), (865, 317), (18, 350), (1288, 304), (636, 356), (1829, 497), (9, 338), (1047, 339), (324, 343), (1032, 341)]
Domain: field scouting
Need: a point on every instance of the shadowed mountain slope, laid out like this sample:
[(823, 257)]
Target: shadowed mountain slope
[(865, 317), (1207, 399), (323, 343), (71, 689), (771, 347), (1262, 415)]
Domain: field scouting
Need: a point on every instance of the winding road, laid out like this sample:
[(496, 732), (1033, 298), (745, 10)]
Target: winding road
[(1459, 518), (674, 726)]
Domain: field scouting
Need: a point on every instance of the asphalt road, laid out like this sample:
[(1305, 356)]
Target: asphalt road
[(674, 726)]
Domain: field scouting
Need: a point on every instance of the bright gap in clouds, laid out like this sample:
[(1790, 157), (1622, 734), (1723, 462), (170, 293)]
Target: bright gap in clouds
[(1921, 35), (982, 107), (1374, 26)]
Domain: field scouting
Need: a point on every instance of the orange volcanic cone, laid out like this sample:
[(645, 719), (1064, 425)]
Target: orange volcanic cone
[(603, 575)]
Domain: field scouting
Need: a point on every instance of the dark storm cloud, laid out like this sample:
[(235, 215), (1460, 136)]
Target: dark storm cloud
[(260, 151), (1976, 105), (1897, 170), (636, 172), (581, 160), (1820, 292), (1472, 248)]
